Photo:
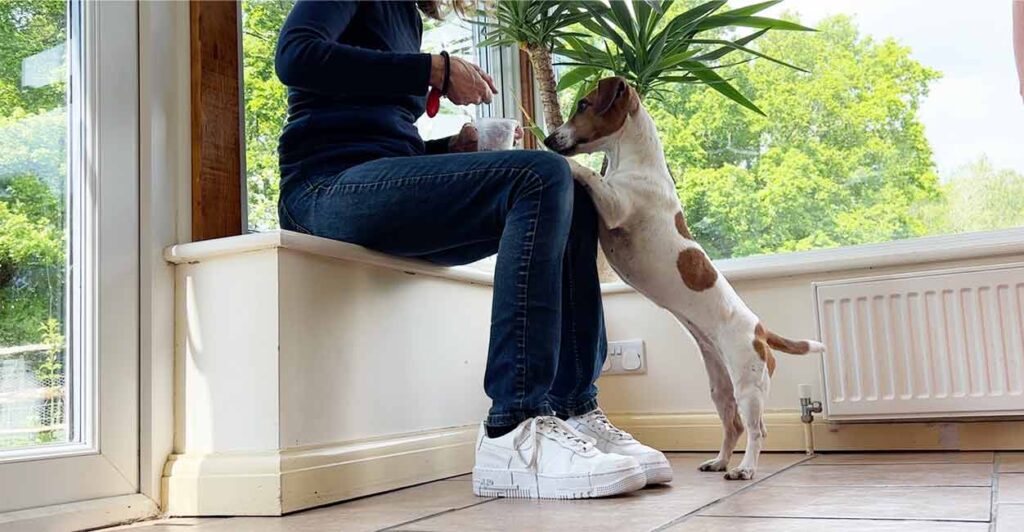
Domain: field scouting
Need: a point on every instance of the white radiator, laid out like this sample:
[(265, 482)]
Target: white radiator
[(924, 345)]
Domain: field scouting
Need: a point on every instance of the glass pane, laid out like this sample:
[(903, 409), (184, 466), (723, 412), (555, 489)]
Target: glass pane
[(33, 228), (266, 107), (456, 36), (897, 131)]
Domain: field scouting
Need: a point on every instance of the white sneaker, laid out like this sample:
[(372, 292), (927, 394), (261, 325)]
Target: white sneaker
[(545, 458), (612, 439)]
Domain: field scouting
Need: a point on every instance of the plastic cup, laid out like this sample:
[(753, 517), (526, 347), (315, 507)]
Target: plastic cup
[(495, 133)]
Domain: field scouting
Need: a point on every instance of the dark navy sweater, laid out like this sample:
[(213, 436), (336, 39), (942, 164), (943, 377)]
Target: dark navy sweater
[(356, 84)]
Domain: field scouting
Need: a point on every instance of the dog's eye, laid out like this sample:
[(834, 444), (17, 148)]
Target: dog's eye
[(582, 106)]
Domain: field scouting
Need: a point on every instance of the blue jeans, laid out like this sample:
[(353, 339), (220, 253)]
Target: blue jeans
[(547, 340)]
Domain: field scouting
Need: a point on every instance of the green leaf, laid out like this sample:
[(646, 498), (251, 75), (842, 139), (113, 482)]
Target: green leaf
[(749, 51), (718, 21), (721, 52), (537, 133), (672, 61), (620, 14), (718, 83), (753, 8), (581, 91), (575, 76)]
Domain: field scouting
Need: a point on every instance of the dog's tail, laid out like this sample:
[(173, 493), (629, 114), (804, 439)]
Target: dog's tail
[(793, 347)]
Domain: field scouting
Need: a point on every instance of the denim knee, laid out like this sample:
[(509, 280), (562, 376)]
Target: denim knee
[(556, 180), (553, 170)]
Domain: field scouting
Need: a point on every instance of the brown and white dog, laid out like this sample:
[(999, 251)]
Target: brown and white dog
[(644, 235)]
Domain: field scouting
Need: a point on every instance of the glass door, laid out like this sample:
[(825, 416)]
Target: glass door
[(68, 251)]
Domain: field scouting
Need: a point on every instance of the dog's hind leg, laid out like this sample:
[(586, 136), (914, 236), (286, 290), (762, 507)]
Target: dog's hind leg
[(751, 388), (722, 395)]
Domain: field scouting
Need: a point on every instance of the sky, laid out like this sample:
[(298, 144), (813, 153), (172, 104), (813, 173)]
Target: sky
[(976, 108)]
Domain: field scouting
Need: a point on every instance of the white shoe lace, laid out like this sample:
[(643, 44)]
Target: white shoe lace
[(598, 421), (560, 431)]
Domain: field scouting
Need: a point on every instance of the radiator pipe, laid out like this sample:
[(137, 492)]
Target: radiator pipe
[(808, 408)]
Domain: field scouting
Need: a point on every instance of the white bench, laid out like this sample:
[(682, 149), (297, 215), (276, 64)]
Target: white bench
[(310, 371)]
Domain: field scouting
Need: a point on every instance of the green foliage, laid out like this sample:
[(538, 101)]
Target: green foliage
[(529, 22), (265, 107), (32, 166), (28, 27), (50, 374), (31, 259), (841, 157), (978, 197), (655, 49)]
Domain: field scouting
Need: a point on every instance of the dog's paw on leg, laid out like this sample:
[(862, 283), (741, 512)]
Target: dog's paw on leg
[(714, 465), (739, 473)]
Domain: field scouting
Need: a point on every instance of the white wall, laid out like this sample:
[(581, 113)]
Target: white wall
[(675, 381)]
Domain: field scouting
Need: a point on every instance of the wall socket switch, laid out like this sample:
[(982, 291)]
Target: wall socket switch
[(625, 357)]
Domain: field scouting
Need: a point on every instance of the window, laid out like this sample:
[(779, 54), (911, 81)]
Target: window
[(456, 36), (909, 125), (34, 118), (266, 99)]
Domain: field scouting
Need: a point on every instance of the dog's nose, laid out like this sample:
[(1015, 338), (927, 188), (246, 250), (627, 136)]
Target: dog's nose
[(551, 142)]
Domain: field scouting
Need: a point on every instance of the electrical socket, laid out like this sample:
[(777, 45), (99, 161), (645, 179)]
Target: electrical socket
[(625, 357)]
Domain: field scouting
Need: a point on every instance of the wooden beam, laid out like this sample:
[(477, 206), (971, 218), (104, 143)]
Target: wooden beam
[(217, 177), (526, 95)]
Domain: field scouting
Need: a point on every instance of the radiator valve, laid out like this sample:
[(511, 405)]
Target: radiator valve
[(808, 407)]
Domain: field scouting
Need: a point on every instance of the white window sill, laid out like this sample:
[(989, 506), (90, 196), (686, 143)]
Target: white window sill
[(865, 257), (200, 251)]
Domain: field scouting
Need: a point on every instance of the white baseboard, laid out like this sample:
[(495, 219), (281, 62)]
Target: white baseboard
[(703, 432), (80, 515), (276, 483)]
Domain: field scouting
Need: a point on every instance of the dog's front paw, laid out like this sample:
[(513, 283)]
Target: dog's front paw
[(739, 473), (581, 173), (714, 465)]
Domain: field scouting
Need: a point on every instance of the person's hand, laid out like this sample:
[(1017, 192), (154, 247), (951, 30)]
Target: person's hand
[(467, 83), (465, 141)]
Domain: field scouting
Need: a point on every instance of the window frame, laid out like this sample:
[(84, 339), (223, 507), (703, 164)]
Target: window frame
[(104, 330)]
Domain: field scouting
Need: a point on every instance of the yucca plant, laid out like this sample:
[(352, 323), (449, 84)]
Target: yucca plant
[(652, 51), (534, 26)]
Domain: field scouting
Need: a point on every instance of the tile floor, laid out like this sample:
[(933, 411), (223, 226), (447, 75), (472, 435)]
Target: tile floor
[(869, 492)]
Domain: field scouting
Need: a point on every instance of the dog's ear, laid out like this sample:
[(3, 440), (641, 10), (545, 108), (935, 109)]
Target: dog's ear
[(608, 91)]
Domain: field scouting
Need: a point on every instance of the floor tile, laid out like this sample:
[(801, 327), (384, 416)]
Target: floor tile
[(370, 513), (1010, 518), (886, 475), (966, 504), (1011, 462), (1011, 488), (904, 458), (744, 524), (642, 510)]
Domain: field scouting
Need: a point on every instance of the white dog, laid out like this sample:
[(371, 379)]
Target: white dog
[(647, 242)]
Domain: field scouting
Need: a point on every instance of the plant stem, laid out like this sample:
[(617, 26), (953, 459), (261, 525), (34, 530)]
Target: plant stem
[(544, 73)]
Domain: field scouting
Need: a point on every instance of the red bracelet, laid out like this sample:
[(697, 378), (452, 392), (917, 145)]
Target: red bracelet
[(434, 97)]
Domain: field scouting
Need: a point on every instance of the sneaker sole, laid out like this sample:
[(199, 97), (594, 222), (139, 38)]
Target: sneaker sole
[(528, 485), (658, 473)]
